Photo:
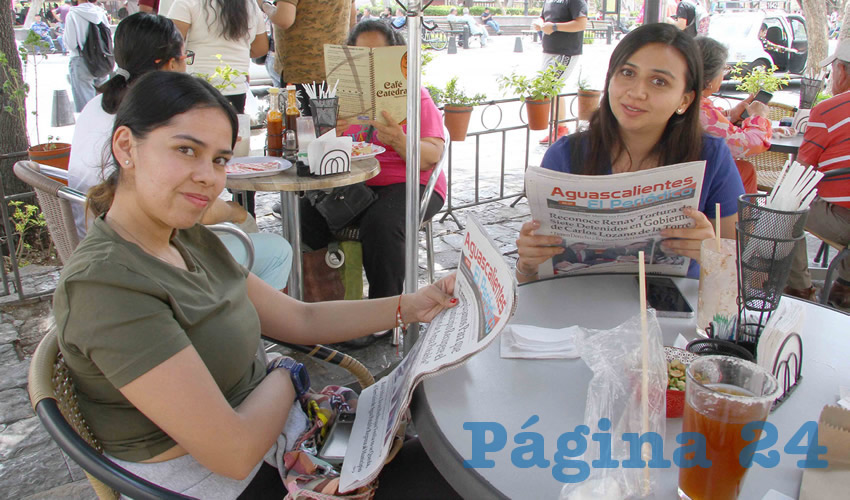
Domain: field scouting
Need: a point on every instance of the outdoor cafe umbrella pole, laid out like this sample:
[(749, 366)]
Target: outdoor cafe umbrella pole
[(411, 260)]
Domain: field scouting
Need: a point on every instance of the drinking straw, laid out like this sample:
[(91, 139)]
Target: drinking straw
[(644, 380), (717, 225)]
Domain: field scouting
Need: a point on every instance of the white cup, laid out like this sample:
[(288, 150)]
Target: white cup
[(243, 143)]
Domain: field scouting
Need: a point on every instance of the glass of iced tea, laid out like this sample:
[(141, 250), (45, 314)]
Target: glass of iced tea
[(722, 395)]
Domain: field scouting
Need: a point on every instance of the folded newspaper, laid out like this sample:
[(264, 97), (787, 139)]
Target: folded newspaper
[(486, 293), (606, 220)]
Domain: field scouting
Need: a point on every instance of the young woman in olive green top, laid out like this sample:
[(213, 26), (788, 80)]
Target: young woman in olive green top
[(159, 326)]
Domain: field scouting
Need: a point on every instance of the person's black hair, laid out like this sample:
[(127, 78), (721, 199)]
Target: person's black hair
[(590, 151), (140, 41), (714, 56), (392, 36), (232, 15), (153, 102)]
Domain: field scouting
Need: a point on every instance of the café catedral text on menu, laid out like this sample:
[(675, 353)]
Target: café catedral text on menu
[(486, 293), (605, 220)]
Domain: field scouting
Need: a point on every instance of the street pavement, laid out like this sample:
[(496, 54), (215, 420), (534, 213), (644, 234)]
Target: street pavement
[(31, 465)]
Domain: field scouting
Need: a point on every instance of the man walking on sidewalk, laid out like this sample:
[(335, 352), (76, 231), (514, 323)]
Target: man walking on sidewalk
[(76, 32), (562, 23)]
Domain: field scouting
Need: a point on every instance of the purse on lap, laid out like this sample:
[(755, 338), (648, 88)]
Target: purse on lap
[(342, 205)]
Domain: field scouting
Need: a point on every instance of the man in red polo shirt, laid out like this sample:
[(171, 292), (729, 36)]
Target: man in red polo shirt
[(826, 146)]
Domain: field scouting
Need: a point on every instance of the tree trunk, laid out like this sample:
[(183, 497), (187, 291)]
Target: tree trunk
[(845, 23), (816, 25), (13, 135)]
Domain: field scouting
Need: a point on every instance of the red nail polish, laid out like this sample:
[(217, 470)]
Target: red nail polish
[(454, 301)]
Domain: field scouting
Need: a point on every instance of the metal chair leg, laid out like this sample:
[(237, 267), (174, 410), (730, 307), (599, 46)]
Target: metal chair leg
[(429, 249), (830, 275)]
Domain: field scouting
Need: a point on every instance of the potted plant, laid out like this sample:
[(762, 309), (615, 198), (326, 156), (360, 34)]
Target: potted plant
[(53, 153), (457, 107), (14, 92), (536, 93), (588, 99), (758, 78)]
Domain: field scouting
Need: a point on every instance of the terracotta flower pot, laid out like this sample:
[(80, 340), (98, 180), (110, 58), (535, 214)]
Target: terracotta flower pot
[(457, 121), (54, 154), (538, 114), (588, 102)]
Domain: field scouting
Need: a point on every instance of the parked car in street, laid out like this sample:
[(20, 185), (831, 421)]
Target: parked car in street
[(785, 42)]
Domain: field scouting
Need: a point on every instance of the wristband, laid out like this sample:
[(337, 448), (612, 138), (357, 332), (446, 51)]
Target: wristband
[(522, 273), (554, 26), (297, 373)]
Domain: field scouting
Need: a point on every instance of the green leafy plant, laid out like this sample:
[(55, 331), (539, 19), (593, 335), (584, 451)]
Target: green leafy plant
[(545, 85), (14, 91), (224, 75), (759, 78), (822, 96), (453, 95), (51, 142), (28, 223), (584, 83)]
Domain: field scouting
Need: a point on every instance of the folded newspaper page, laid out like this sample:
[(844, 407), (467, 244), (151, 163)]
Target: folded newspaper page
[(486, 293), (606, 220)]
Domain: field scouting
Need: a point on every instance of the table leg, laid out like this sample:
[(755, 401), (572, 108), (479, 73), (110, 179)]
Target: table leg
[(291, 218)]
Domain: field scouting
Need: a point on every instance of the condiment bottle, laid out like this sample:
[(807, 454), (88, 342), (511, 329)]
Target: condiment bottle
[(292, 113), (274, 124)]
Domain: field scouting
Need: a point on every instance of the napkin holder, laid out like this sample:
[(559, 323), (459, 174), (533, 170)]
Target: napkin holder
[(330, 154), (801, 120)]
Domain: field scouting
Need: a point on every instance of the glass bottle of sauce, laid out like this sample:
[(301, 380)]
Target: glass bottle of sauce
[(292, 112), (274, 124)]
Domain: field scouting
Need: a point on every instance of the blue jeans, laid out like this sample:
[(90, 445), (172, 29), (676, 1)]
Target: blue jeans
[(272, 256), (82, 82), (493, 24)]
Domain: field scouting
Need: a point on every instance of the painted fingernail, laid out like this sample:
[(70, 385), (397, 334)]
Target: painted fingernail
[(454, 301)]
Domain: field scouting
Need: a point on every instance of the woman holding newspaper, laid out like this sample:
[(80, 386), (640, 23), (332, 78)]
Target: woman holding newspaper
[(160, 327), (648, 117)]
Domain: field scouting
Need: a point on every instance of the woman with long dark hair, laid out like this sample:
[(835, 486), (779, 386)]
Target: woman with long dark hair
[(160, 327), (648, 117), (233, 29), (145, 43)]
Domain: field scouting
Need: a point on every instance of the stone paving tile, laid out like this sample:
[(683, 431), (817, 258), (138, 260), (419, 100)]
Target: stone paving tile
[(78, 490)]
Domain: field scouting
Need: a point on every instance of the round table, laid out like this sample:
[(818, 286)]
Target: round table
[(289, 184), (509, 391)]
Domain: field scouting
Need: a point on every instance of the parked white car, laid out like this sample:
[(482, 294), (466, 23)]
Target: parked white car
[(739, 31)]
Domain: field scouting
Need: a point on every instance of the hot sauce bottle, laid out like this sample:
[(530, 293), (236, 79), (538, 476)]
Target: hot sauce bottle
[(292, 114), (274, 124)]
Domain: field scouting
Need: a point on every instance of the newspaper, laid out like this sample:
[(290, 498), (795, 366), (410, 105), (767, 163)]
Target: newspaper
[(605, 220), (486, 293)]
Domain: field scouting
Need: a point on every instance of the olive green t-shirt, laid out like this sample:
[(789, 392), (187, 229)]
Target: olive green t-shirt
[(300, 49), (121, 312)]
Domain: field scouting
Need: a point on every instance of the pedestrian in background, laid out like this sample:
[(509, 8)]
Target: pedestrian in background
[(562, 23), (77, 23)]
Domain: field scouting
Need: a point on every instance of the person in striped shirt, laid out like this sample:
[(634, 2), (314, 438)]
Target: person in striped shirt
[(826, 146)]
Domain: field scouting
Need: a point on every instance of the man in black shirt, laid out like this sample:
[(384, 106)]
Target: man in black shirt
[(691, 18), (562, 23)]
